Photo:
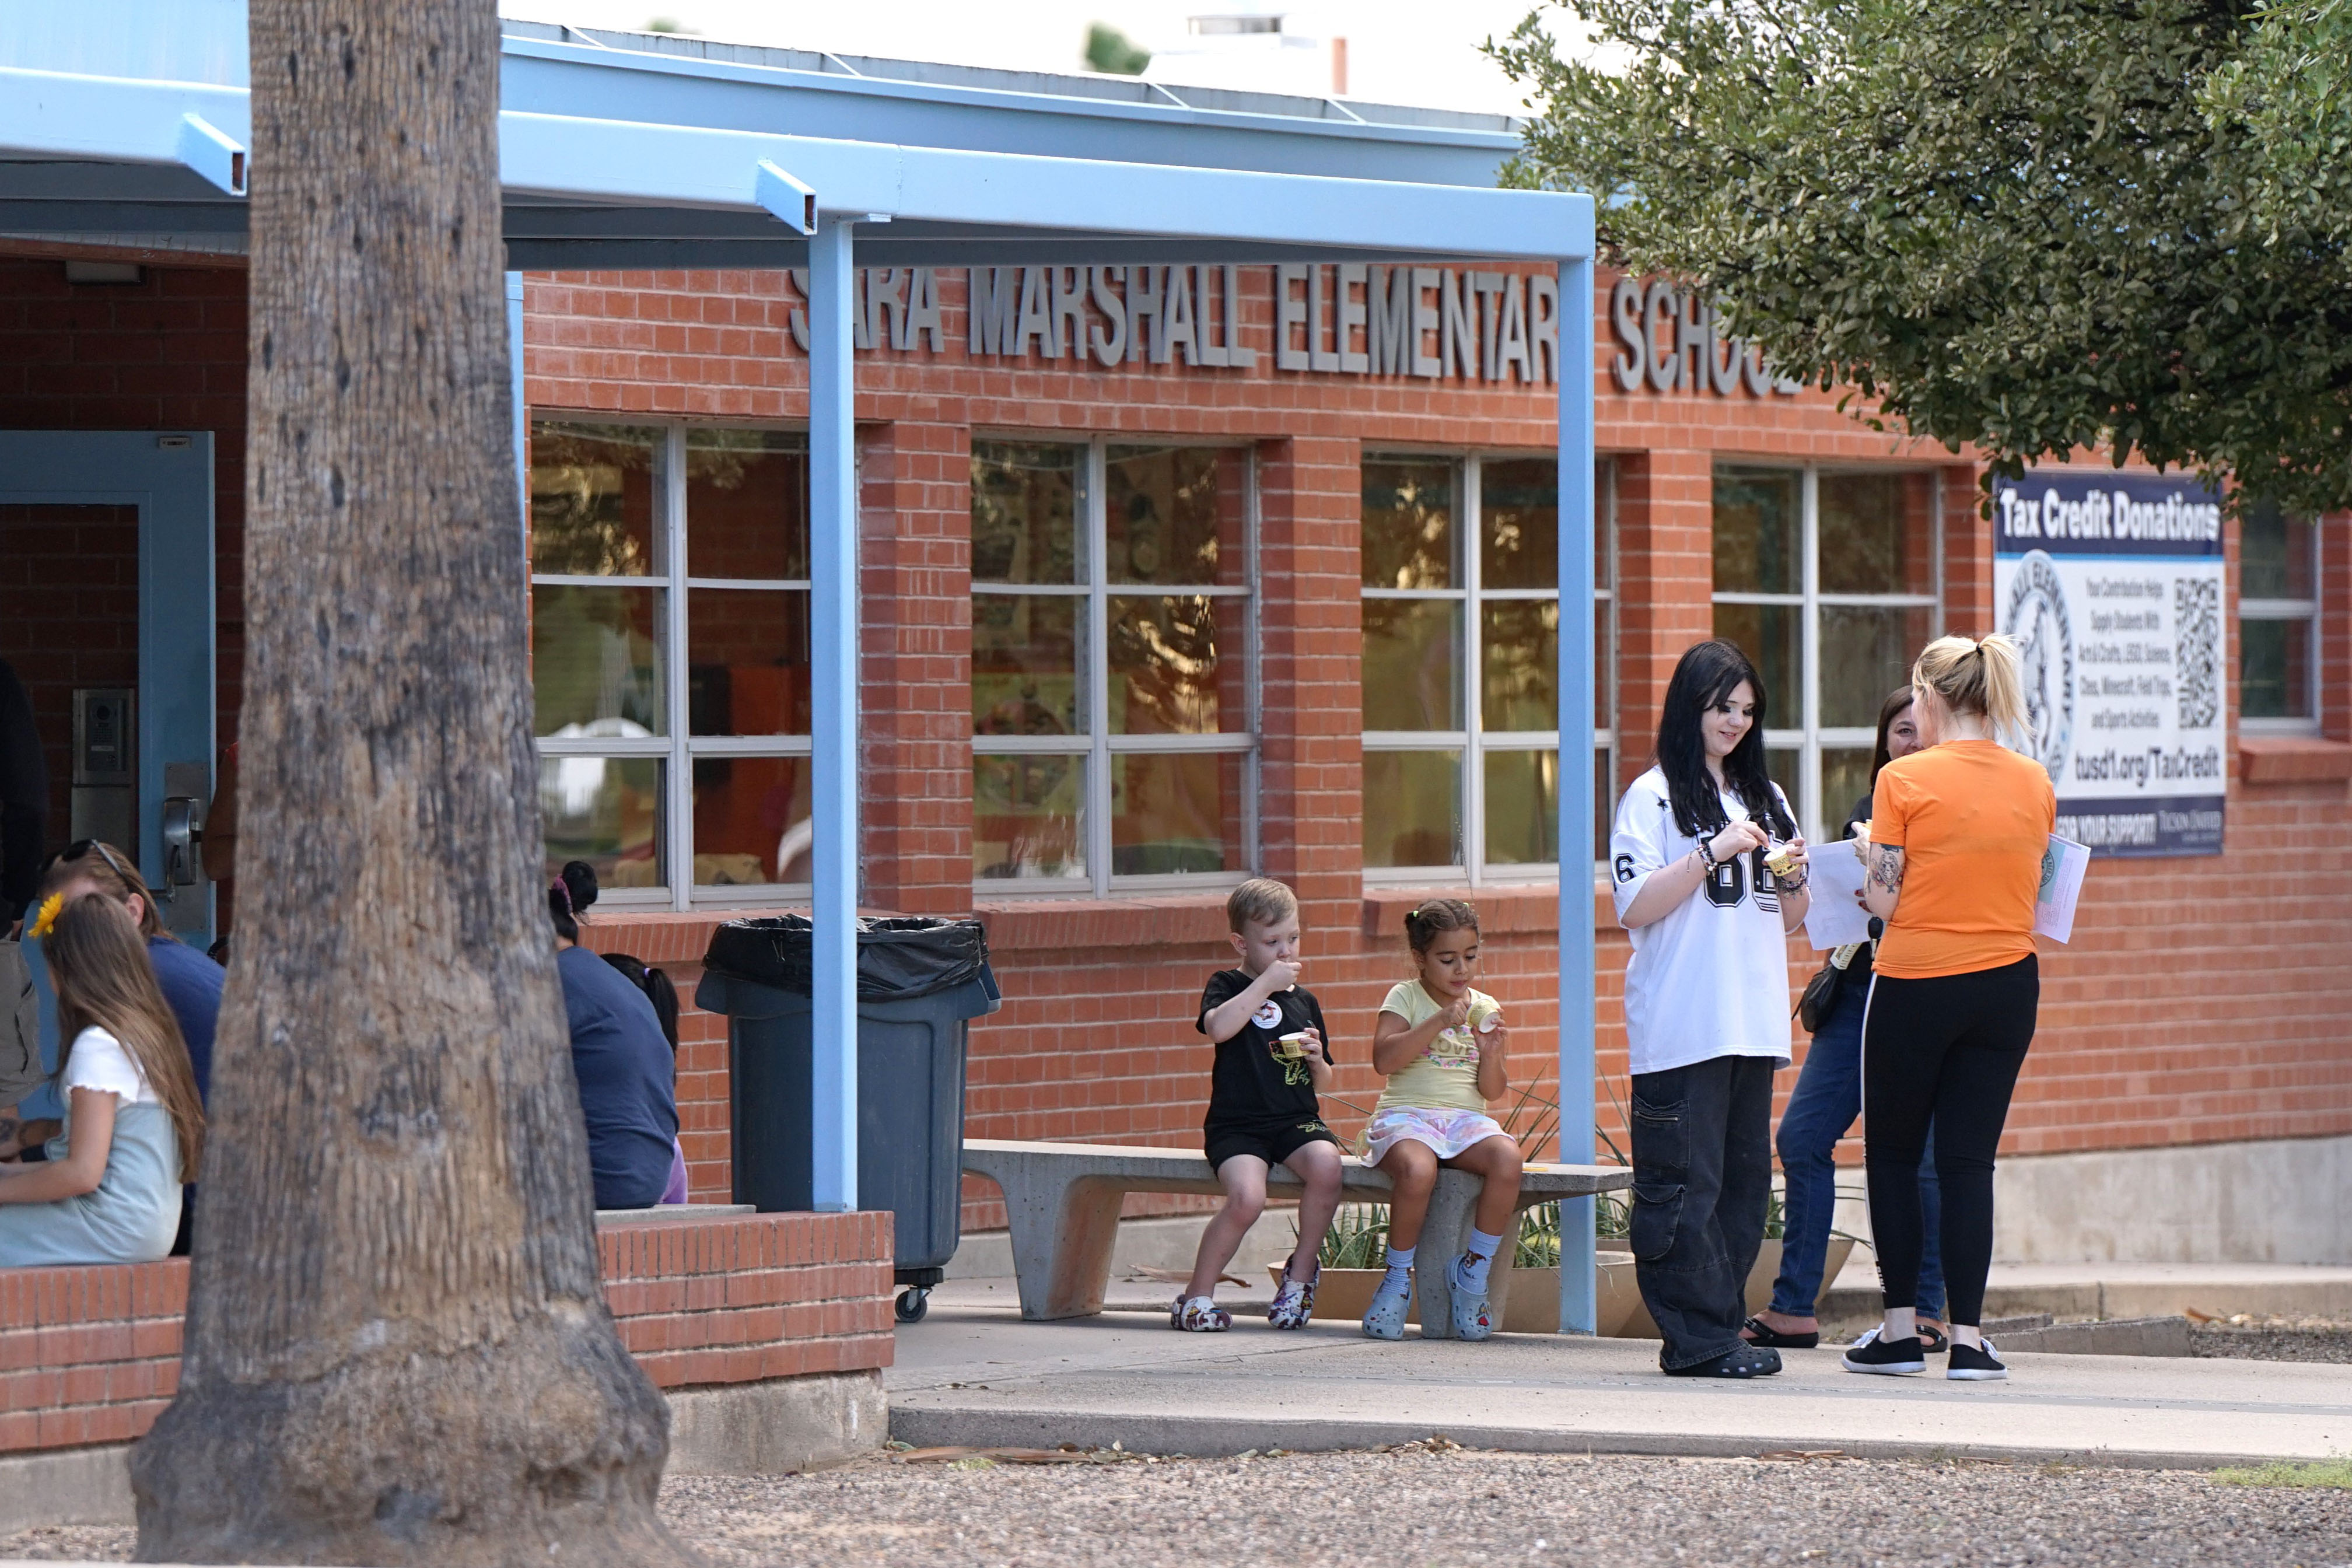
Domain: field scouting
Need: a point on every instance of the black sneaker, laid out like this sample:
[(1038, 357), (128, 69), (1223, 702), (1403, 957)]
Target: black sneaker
[(1747, 1360), (1970, 1365), (1874, 1353)]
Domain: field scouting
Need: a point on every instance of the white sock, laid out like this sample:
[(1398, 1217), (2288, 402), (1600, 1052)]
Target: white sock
[(1399, 1267), (1473, 1264)]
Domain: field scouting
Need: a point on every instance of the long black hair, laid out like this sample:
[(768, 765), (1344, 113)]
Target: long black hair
[(1898, 704), (1703, 679), (569, 894)]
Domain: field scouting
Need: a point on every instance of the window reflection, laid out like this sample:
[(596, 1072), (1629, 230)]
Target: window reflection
[(1165, 674), (597, 654), (1519, 501), (1025, 512), (1027, 817), (593, 499), (1759, 530), (1408, 523), (1024, 664), (1175, 813), (1173, 514), (746, 503), (752, 821), (603, 810)]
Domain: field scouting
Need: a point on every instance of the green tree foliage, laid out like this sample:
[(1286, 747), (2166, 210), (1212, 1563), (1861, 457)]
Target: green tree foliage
[(1113, 53), (2039, 226), (2291, 91)]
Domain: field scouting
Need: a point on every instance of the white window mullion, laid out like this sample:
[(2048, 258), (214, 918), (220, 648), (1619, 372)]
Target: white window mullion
[(680, 784), (1252, 693), (1098, 675), (1809, 764), (1472, 539)]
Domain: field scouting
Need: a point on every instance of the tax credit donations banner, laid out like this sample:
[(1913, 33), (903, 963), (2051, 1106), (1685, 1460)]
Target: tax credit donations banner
[(2111, 583)]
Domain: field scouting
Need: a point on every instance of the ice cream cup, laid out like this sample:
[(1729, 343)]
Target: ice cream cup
[(1294, 1045), (1778, 861)]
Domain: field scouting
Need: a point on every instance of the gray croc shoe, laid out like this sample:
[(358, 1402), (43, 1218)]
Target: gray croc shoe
[(1384, 1319), (1470, 1318), (1294, 1304)]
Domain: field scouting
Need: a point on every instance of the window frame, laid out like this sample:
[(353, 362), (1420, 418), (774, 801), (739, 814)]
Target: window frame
[(1474, 742), (679, 749), (1809, 738), (1097, 745), (2290, 611)]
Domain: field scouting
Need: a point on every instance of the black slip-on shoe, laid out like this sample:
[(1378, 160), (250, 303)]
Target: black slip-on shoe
[(1970, 1365), (1874, 1353), (1747, 1360)]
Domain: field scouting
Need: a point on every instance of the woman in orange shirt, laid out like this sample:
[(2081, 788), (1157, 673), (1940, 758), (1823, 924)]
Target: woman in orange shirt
[(1954, 848)]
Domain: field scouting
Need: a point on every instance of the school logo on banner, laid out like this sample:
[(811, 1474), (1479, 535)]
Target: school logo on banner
[(2036, 618)]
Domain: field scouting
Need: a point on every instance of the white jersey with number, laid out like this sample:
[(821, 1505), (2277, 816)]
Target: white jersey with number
[(1711, 978)]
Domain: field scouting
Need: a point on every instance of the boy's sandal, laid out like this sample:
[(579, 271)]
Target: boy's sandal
[(1199, 1315), (1757, 1331)]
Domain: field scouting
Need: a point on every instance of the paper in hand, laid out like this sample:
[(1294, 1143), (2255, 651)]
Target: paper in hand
[(2063, 865), (1835, 917)]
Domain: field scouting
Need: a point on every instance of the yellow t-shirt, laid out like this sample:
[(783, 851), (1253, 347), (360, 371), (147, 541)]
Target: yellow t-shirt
[(1444, 1076)]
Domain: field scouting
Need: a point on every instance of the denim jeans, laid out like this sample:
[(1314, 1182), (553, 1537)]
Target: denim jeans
[(1827, 1099), (1702, 1178)]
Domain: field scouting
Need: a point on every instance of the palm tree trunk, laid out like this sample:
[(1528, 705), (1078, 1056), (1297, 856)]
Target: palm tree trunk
[(398, 1348)]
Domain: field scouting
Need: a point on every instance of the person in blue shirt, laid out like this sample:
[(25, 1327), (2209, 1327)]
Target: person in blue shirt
[(190, 980), (620, 1055)]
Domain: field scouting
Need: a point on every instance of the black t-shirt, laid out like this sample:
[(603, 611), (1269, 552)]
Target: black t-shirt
[(1250, 1083)]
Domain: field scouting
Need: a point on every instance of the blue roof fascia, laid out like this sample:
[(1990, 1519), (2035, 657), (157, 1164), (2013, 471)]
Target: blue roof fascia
[(550, 78)]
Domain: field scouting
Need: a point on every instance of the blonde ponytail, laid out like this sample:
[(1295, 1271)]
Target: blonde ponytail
[(1972, 675)]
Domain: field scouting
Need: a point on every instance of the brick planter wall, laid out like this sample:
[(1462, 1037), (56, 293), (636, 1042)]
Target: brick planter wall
[(92, 1355)]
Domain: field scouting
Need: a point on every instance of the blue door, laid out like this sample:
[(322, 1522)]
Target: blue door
[(111, 535)]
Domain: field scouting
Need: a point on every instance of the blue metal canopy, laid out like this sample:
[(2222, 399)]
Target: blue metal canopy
[(125, 123)]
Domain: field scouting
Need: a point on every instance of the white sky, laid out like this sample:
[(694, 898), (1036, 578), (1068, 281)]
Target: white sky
[(1398, 51)]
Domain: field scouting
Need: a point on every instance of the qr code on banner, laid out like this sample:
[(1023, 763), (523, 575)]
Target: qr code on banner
[(2196, 650)]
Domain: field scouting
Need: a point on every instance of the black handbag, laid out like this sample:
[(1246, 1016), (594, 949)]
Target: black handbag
[(1820, 996)]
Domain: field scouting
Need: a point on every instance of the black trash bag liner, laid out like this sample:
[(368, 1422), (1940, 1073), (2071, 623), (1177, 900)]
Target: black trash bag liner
[(900, 957)]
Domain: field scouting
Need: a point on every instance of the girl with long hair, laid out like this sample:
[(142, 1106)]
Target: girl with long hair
[(1827, 1099), (134, 1128), (1710, 877), (1954, 849)]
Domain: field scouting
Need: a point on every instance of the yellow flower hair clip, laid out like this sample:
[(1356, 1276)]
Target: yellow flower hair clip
[(47, 920)]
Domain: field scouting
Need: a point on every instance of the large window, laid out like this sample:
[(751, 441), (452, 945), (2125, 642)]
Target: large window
[(1460, 668), (2278, 621), (670, 657), (1113, 689), (1830, 582)]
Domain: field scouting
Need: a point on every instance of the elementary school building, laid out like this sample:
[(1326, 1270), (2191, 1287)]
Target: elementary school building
[(1175, 573)]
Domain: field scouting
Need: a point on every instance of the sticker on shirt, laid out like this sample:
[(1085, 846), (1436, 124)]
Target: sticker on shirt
[(1268, 1015)]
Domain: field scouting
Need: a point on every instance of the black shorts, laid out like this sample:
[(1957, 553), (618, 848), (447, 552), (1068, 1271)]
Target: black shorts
[(1272, 1141)]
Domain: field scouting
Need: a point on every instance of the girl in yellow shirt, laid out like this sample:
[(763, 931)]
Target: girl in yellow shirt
[(1440, 1045)]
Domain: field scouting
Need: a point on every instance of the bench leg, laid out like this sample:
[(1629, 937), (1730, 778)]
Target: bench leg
[(1063, 1232), (1446, 1237)]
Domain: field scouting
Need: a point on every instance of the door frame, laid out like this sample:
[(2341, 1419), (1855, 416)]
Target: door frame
[(168, 476)]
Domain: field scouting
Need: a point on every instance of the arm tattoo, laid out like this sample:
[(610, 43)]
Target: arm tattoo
[(1886, 867)]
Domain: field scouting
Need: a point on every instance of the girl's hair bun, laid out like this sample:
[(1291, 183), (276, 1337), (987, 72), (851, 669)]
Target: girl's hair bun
[(1425, 920)]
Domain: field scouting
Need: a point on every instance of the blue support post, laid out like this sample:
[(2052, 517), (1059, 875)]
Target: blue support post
[(832, 651), (1578, 1295), (522, 407)]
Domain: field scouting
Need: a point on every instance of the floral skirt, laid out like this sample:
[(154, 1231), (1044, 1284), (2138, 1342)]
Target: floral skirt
[(1448, 1134)]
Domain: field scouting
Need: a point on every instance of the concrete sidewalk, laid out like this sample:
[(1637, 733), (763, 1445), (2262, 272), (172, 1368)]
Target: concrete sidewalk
[(979, 1376)]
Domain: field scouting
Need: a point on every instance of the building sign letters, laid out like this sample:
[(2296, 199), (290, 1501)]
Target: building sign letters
[(1345, 319), (1669, 341)]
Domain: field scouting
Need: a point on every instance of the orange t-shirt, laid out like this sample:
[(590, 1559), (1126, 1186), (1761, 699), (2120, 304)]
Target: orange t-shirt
[(1973, 820)]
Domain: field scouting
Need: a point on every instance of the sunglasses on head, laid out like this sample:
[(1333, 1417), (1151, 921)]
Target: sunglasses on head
[(80, 848)]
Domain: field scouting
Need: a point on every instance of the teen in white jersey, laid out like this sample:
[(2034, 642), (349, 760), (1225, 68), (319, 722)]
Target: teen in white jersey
[(1709, 872)]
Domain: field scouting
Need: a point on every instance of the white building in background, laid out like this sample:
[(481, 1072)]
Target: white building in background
[(1254, 46)]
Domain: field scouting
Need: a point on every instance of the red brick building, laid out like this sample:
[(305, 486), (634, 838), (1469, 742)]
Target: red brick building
[(1173, 574)]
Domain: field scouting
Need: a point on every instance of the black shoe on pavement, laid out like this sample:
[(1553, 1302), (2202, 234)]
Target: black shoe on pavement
[(1747, 1360), (1970, 1365), (1874, 1353)]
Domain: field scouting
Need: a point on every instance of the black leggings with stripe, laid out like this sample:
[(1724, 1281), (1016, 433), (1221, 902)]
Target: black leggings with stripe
[(1941, 1053)]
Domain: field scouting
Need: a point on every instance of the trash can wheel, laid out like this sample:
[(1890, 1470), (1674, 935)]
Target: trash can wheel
[(912, 1304)]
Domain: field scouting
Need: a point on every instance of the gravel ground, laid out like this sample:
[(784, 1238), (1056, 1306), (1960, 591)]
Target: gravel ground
[(2274, 1339), (1434, 1505)]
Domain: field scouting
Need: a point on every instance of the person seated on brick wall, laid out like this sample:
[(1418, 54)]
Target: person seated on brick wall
[(662, 991), (191, 980), (623, 1063), (110, 1190)]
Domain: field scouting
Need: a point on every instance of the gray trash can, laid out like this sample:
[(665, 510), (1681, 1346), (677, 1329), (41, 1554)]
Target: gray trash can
[(910, 1074)]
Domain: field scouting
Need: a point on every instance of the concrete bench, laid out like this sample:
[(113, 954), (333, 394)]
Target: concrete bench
[(1062, 1200)]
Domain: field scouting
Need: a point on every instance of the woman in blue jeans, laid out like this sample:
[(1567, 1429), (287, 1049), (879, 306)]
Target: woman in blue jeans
[(1827, 1099)]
